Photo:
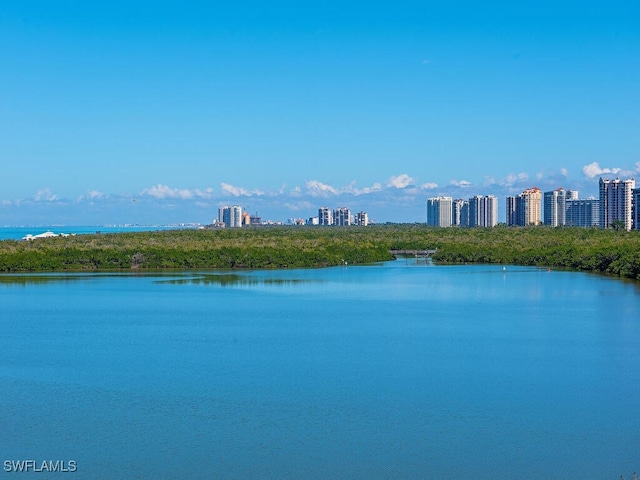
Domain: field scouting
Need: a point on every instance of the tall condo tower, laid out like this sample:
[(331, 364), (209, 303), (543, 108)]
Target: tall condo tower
[(362, 219), (636, 208), (583, 213), (325, 216), (555, 207), (460, 213), (230, 216), (342, 216), (616, 202), (439, 211), (525, 209), (483, 211)]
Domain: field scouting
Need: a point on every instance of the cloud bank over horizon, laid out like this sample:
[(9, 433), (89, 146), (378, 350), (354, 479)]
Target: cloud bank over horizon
[(400, 198)]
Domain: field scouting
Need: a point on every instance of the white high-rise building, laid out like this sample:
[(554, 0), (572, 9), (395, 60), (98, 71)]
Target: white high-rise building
[(460, 213), (439, 211), (483, 211), (325, 217), (230, 216), (362, 219), (616, 202), (342, 216), (555, 207)]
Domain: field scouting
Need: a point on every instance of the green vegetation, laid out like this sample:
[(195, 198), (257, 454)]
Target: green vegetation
[(607, 251)]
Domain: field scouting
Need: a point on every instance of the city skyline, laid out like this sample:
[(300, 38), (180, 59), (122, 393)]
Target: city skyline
[(161, 112)]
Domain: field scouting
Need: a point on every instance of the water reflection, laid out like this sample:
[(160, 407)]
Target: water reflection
[(23, 280), (234, 279)]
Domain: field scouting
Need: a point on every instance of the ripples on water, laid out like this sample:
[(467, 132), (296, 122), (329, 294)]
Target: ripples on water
[(388, 371)]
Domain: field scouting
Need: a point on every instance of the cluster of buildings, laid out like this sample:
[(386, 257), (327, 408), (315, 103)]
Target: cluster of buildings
[(235, 217), (618, 205), (339, 216), (478, 211)]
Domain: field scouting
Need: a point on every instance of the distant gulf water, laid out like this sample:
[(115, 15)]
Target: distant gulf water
[(17, 233), (390, 371)]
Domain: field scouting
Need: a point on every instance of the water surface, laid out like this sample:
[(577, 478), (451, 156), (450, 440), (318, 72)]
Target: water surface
[(387, 371)]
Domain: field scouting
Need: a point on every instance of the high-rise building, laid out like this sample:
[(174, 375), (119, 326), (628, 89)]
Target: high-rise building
[(532, 206), (439, 211), (230, 216), (616, 202), (342, 216), (460, 213), (362, 219), (583, 213), (635, 193), (525, 209), (325, 216), (555, 207), (483, 211), (512, 213), (572, 194)]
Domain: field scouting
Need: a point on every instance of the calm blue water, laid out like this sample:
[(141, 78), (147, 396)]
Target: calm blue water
[(388, 371), (18, 233)]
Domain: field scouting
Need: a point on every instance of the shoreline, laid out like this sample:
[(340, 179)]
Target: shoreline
[(600, 251)]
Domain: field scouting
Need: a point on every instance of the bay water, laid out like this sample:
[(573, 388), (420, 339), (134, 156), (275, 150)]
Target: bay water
[(20, 232), (396, 370)]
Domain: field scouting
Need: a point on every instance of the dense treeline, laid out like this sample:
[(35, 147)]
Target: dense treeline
[(608, 251)]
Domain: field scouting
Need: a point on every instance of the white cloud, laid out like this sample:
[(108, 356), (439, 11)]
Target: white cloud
[(593, 170), (162, 192), (351, 188), (429, 186), (461, 183), (238, 191), (564, 172), (91, 196), (295, 192), (513, 178), (94, 194), (304, 205), (319, 189), (45, 195), (399, 181), (638, 167)]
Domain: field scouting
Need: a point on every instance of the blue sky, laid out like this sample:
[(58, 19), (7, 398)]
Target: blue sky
[(161, 111)]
